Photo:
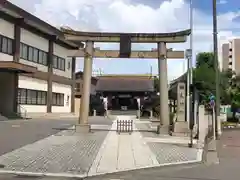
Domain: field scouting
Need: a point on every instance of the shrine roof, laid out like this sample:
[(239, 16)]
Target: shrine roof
[(125, 83)]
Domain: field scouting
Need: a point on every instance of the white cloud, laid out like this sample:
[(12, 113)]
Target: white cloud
[(124, 16), (222, 2)]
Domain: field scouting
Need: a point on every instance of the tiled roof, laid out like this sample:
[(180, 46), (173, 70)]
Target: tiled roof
[(124, 84)]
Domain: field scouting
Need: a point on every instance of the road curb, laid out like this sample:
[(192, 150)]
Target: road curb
[(82, 176), (166, 165)]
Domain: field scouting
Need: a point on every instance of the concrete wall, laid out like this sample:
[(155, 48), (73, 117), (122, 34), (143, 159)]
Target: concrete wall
[(35, 84), (66, 90), (7, 88), (6, 29)]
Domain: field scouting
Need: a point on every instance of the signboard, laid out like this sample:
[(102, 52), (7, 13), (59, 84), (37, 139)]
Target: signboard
[(212, 100)]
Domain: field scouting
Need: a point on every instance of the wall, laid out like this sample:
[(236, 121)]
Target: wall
[(236, 55), (225, 56), (62, 52), (7, 85), (37, 42), (77, 105), (66, 90), (36, 84), (6, 29), (80, 81)]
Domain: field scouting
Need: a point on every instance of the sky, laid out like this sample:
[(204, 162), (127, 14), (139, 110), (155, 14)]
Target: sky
[(154, 16)]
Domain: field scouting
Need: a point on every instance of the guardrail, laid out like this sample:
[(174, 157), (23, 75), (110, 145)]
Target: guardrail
[(125, 126)]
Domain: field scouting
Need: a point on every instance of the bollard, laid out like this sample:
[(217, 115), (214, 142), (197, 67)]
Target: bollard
[(94, 112), (138, 114), (151, 114), (106, 113)]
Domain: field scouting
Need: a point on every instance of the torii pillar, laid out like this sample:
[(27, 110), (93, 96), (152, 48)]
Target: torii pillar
[(163, 88), (83, 125)]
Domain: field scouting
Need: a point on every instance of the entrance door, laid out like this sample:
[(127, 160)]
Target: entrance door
[(125, 102)]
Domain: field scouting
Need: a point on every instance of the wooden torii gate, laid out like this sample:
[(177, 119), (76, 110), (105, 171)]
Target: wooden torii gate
[(125, 40)]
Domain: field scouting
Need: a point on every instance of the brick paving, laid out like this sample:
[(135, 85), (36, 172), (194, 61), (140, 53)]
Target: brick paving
[(61, 153), (227, 169), (168, 153), (73, 153)]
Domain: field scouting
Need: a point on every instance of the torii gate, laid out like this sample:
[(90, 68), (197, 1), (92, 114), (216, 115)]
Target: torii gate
[(125, 40)]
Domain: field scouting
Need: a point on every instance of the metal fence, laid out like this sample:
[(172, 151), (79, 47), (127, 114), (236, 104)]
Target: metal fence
[(125, 126)]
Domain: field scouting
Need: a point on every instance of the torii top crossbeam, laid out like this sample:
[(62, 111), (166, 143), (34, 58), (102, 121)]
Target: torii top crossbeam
[(173, 37)]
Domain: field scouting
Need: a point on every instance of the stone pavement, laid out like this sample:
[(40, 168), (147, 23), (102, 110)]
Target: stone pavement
[(228, 169), (72, 154)]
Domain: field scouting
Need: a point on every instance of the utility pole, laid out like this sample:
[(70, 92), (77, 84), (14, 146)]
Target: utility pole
[(189, 73), (215, 55)]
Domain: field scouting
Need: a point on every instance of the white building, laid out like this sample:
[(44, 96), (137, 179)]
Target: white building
[(230, 56), (35, 73)]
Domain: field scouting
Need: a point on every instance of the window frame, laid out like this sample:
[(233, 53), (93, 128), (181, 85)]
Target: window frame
[(44, 57), (31, 97), (57, 99), (8, 41)]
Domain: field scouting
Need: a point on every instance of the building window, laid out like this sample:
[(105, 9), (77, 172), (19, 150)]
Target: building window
[(69, 65), (58, 99), (45, 58), (78, 87), (23, 51), (30, 54), (58, 63), (40, 55), (32, 97), (55, 62), (22, 96), (61, 63), (35, 55), (41, 97), (6, 45)]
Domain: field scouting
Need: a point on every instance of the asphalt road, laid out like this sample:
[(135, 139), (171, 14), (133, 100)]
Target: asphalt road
[(15, 134), (229, 154)]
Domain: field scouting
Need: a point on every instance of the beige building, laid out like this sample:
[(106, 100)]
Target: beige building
[(79, 84), (36, 76), (231, 55)]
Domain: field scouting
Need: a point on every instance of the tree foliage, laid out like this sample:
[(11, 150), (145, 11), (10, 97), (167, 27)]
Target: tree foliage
[(204, 75)]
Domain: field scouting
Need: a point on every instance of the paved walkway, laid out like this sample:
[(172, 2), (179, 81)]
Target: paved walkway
[(229, 147), (74, 154)]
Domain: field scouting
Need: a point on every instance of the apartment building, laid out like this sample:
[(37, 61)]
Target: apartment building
[(231, 56), (36, 76)]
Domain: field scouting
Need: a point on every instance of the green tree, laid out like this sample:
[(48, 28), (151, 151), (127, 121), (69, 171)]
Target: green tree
[(204, 75), (234, 93)]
